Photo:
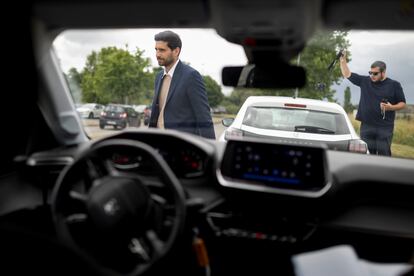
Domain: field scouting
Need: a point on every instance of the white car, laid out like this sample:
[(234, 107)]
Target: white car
[(139, 108), (295, 120), (90, 110)]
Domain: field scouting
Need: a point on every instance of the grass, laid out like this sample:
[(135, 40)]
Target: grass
[(403, 151), (404, 132), (218, 117), (403, 140)]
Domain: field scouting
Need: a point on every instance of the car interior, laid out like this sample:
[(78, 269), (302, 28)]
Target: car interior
[(161, 202)]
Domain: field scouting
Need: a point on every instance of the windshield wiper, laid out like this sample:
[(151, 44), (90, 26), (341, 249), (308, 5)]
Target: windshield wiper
[(314, 129)]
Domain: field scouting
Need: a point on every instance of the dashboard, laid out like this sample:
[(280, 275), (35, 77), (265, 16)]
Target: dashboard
[(266, 191), (275, 168)]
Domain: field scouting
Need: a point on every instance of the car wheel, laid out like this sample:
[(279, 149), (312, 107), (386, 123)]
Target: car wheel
[(101, 126), (90, 116)]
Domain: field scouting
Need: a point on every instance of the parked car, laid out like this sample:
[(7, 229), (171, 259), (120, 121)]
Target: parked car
[(295, 120), (139, 108), (119, 116), (147, 114), (90, 110)]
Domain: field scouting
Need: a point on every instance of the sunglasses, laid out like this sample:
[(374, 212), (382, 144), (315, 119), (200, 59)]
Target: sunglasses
[(373, 73)]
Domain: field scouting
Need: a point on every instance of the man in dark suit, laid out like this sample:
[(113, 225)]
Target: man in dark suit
[(180, 100)]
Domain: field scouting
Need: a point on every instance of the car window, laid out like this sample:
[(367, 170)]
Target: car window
[(130, 111), (108, 81), (291, 119), (113, 108)]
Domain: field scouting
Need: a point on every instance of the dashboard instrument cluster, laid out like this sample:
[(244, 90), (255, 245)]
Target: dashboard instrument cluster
[(185, 159)]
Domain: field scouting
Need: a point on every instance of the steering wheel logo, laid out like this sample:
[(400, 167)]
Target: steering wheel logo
[(111, 207)]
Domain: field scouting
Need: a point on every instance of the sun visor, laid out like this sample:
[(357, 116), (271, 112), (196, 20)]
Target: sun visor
[(254, 76)]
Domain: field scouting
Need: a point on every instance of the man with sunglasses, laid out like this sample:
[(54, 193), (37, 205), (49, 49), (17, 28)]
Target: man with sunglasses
[(380, 98)]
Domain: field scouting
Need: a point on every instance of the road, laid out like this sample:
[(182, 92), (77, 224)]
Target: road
[(92, 128)]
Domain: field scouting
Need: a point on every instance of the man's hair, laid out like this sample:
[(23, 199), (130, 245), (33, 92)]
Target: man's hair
[(172, 39), (380, 64)]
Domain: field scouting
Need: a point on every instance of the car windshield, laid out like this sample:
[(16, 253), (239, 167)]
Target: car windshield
[(310, 121), (121, 67), (208, 137), (114, 108)]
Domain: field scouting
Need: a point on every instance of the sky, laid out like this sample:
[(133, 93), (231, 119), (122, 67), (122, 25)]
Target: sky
[(207, 52)]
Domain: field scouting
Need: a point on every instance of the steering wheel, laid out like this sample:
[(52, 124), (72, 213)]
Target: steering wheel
[(119, 221)]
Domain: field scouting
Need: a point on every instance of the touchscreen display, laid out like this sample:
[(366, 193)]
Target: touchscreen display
[(275, 165)]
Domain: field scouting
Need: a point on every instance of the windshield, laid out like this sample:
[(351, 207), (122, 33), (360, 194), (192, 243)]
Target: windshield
[(310, 121), (126, 66), (114, 108)]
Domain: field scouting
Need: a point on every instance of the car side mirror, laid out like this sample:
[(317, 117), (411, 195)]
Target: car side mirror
[(227, 121)]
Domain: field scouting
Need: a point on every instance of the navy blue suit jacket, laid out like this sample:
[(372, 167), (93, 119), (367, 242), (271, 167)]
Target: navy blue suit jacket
[(186, 108)]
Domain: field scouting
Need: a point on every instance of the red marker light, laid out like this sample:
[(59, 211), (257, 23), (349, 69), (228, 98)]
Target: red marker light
[(295, 105)]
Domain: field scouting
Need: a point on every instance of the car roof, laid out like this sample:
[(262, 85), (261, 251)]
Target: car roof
[(276, 101)]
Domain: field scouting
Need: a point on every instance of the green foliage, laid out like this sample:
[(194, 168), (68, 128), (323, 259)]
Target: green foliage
[(239, 96), (74, 79), (230, 108), (214, 94), (404, 132), (316, 57), (116, 76), (74, 75), (402, 151), (348, 106)]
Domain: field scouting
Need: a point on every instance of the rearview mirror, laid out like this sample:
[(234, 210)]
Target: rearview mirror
[(276, 76)]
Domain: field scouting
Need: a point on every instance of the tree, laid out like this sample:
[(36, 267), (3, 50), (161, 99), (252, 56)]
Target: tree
[(74, 79), (316, 57), (117, 76), (348, 106), (239, 95), (214, 94), (234, 101), (149, 94), (89, 93)]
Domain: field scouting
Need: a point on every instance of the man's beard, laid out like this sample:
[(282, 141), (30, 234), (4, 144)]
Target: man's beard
[(165, 62)]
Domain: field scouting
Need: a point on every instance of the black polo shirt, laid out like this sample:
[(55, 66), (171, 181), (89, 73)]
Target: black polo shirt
[(369, 110)]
